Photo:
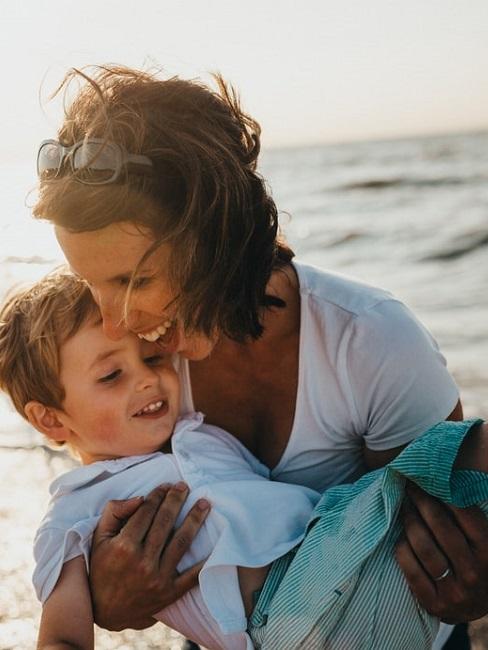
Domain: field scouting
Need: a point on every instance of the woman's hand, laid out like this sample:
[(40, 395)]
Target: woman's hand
[(134, 555), (444, 557)]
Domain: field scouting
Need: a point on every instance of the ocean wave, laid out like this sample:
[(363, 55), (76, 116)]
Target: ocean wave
[(344, 239), (322, 241), (411, 182), (470, 244), (34, 259)]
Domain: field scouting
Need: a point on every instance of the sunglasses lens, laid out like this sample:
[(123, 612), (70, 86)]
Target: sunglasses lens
[(49, 158), (96, 163), (92, 161)]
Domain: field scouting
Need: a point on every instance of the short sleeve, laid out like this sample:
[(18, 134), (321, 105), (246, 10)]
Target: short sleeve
[(55, 546), (399, 382)]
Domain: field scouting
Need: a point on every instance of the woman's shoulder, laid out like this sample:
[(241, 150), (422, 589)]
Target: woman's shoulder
[(367, 317), (337, 291)]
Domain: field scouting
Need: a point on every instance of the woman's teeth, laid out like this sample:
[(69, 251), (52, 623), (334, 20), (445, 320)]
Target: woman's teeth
[(150, 408), (156, 333)]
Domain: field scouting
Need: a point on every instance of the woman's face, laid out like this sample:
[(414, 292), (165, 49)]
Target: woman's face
[(106, 259)]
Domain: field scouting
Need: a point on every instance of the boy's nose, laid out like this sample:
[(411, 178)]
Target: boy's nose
[(146, 379)]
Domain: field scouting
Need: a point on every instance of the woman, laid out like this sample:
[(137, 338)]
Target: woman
[(153, 190)]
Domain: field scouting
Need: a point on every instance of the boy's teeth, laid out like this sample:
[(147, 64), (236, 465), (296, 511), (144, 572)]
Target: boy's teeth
[(150, 408)]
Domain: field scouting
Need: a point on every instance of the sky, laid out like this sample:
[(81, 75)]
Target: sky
[(311, 72)]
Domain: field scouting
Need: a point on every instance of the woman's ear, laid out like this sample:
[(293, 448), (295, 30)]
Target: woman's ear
[(46, 419)]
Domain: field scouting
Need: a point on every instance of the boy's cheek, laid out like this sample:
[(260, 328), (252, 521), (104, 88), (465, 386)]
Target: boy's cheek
[(106, 426)]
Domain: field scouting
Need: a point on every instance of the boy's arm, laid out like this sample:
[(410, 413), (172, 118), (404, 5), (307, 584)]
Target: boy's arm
[(67, 617)]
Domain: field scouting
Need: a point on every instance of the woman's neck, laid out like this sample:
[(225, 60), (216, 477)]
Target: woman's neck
[(250, 388)]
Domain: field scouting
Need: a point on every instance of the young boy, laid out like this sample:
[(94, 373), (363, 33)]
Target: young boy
[(116, 405)]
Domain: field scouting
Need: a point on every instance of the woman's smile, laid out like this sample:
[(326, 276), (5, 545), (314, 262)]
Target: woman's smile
[(106, 259), (158, 332)]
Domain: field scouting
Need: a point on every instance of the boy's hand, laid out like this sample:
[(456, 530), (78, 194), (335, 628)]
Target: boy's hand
[(134, 555), (437, 538)]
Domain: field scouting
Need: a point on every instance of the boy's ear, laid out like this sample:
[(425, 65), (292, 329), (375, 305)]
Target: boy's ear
[(46, 420)]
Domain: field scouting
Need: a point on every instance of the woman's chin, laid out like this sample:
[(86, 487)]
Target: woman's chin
[(196, 348)]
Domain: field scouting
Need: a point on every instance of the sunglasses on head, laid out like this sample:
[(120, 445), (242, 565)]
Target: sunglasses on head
[(93, 161)]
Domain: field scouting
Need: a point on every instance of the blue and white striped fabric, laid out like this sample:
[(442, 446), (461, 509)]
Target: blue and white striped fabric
[(342, 588)]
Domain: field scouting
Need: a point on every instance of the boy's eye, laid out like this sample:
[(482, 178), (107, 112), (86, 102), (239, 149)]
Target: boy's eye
[(110, 377)]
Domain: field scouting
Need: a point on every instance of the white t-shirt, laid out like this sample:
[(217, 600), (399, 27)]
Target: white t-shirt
[(369, 374), (216, 466)]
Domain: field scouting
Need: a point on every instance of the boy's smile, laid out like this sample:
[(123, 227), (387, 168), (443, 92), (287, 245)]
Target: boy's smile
[(153, 409), (121, 397)]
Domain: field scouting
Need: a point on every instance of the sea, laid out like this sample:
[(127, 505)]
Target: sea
[(409, 215)]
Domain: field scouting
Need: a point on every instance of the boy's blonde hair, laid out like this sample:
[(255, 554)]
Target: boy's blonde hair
[(34, 323)]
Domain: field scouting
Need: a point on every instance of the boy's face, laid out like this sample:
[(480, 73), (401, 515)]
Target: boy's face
[(122, 397)]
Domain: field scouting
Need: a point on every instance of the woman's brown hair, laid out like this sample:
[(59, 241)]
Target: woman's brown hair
[(204, 196)]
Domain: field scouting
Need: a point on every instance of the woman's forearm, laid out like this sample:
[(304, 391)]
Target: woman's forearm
[(473, 453)]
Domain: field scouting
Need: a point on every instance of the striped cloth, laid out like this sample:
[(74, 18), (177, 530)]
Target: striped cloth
[(342, 588)]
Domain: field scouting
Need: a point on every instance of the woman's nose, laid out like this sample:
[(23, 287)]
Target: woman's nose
[(114, 325), (113, 329)]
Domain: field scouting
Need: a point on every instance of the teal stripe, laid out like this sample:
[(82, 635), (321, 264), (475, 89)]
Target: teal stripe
[(275, 575), (344, 589)]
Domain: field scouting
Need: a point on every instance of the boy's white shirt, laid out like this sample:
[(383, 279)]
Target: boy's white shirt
[(252, 522)]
